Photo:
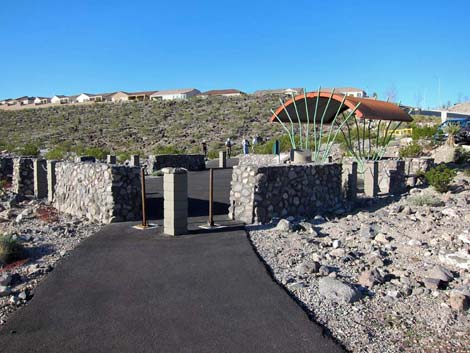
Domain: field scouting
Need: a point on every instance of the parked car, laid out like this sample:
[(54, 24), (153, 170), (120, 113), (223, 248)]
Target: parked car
[(462, 137)]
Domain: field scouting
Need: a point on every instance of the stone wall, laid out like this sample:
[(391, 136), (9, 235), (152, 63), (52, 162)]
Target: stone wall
[(6, 168), (100, 192), (259, 194), (413, 166), (192, 162), (262, 159), (23, 176), (392, 178)]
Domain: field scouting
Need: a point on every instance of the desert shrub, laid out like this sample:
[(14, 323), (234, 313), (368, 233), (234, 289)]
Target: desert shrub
[(423, 132), (29, 149), (411, 151), (213, 154), (440, 177), (169, 149), (461, 156), (466, 172), (425, 200), (98, 153), (11, 250), (56, 153)]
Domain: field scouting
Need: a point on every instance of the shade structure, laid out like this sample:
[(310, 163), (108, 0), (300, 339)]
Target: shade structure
[(369, 109)]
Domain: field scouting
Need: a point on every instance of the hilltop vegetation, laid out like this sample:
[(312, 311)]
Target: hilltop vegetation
[(144, 127)]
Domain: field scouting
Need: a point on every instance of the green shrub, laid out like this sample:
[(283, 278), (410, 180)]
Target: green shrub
[(56, 153), (461, 156), (440, 177), (169, 149), (98, 153), (411, 151), (213, 154), (423, 132), (425, 200), (10, 250), (29, 149)]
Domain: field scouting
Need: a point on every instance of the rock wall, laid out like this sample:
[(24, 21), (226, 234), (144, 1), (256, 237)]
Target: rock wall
[(192, 162), (262, 159), (23, 176), (6, 168), (100, 192), (260, 193), (392, 178), (414, 166)]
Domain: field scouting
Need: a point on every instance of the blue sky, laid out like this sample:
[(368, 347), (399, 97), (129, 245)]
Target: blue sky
[(56, 47)]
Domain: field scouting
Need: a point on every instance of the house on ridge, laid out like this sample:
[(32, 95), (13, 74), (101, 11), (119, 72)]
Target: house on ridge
[(60, 99), (175, 94), (223, 92), (41, 100)]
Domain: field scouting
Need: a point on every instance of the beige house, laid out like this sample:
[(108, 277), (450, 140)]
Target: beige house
[(60, 99), (175, 94), (41, 100), (280, 91), (348, 91), (89, 97), (122, 96), (223, 92), (25, 100)]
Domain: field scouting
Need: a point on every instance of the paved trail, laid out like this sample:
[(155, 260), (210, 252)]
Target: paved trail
[(124, 290)]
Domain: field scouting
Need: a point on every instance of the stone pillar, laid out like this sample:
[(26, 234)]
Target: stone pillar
[(110, 159), (222, 159), (175, 201), (349, 180), (6, 168), (371, 179), (23, 177), (392, 178), (40, 178), (135, 160), (51, 180)]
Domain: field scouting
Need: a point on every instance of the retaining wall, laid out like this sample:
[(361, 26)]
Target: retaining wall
[(259, 194), (100, 192), (192, 162)]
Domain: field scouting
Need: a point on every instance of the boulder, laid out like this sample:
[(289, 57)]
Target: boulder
[(284, 225), (338, 291), (459, 301), (370, 278), (442, 273)]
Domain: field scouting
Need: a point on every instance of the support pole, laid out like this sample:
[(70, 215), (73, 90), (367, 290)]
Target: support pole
[(211, 197), (144, 209)]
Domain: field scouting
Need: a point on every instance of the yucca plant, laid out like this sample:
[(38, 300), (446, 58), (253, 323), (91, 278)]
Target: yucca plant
[(451, 130)]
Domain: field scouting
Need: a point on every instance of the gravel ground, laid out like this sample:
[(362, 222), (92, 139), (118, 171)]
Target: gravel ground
[(383, 261), (46, 236)]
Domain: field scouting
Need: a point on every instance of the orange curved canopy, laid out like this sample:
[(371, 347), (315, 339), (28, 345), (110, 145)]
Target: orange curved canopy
[(369, 109)]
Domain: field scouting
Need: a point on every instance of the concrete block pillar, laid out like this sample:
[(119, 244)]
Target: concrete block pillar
[(371, 179), (349, 180), (51, 180), (110, 159), (40, 178), (175, 201), (135, 160), (222, 159)]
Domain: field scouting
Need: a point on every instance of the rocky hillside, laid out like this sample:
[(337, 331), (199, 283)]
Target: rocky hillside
[(142, 126), (461, 108)]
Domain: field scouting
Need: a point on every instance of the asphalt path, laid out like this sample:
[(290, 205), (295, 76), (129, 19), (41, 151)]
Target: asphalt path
[(126, 290)]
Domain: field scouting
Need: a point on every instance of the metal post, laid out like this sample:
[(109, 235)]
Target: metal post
[(211, 196), (144, 209)]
